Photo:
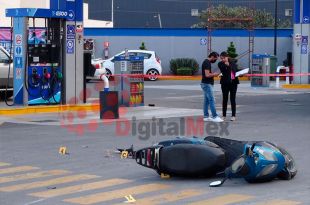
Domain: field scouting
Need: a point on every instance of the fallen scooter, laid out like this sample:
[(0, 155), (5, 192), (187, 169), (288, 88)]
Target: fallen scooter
[(261, 162), (254, 161)]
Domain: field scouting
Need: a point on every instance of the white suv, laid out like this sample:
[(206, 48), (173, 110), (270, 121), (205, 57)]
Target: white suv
[(5, 61), (152, 63)]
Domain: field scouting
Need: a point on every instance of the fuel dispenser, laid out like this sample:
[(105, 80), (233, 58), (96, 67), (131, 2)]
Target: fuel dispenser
[(262, 64), (49, 70), (43, 69)]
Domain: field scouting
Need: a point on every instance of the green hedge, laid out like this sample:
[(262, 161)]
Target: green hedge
[(178, 63), (185, 71)]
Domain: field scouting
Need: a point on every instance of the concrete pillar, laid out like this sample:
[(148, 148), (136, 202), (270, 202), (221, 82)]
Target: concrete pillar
[(301, 57)]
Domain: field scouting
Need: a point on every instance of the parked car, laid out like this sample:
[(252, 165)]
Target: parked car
[(5, 61), (152, 63)]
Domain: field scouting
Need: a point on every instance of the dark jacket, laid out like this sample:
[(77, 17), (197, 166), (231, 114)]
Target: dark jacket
[(226, 75)]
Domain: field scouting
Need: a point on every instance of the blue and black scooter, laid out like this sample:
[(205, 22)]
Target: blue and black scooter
[(254, 161)]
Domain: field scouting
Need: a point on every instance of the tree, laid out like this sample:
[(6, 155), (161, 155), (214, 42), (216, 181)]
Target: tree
[(261, 18), (231, 50), (142, 47)]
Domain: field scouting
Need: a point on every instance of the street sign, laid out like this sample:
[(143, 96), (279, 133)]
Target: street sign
[(306, 19), (203, 41), (18, 74), (18, 62), (18, 51), (70, 31), (70, 46), (304, 40), (18, 39), (304, 49), (71, 15)]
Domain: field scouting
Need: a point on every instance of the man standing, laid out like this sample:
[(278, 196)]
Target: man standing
[(207, 83)]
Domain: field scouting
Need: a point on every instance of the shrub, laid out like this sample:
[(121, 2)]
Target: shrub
[(184, 71), (231, 50), (178, 63), (142, 47)]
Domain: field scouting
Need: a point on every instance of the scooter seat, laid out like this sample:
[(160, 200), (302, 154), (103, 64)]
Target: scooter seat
[(191, 160)]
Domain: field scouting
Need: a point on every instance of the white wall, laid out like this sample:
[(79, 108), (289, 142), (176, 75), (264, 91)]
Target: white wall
[(4, 4), (34, 3), (5, 22)]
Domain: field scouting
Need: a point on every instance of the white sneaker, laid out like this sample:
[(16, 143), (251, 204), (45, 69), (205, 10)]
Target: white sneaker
[(206, 119), (217, 119)]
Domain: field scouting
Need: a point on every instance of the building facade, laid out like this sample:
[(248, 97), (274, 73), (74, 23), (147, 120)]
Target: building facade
[(188, 43), (172, 13)]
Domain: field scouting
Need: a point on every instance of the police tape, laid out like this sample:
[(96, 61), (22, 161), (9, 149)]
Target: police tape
[(277, 75), (199, 76)]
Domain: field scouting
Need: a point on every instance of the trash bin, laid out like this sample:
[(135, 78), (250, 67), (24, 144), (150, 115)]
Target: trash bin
[(108, 105), (273, 66)]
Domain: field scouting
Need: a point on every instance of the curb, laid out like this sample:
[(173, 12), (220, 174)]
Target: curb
[(296, 86), (49, 109)]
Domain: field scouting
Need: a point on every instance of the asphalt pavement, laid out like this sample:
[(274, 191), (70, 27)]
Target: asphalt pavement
[(32, 171)]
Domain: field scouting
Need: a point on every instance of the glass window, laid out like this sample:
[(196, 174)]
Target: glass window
[(129, 54), (145, 55), (3, 57)]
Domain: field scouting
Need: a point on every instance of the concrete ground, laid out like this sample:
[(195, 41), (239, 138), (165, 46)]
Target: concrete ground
[(33, 172)]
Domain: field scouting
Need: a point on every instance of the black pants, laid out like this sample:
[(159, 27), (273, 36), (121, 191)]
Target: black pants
[(232, 89)]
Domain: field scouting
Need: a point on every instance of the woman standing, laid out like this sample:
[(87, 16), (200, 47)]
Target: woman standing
[(229, 83)]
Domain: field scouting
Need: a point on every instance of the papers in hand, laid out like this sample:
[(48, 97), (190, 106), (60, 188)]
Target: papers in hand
[(242, 72)]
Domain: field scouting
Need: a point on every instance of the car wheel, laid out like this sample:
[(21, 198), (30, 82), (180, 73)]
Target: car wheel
[(9, 94), (152, 74), (108, 74)]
